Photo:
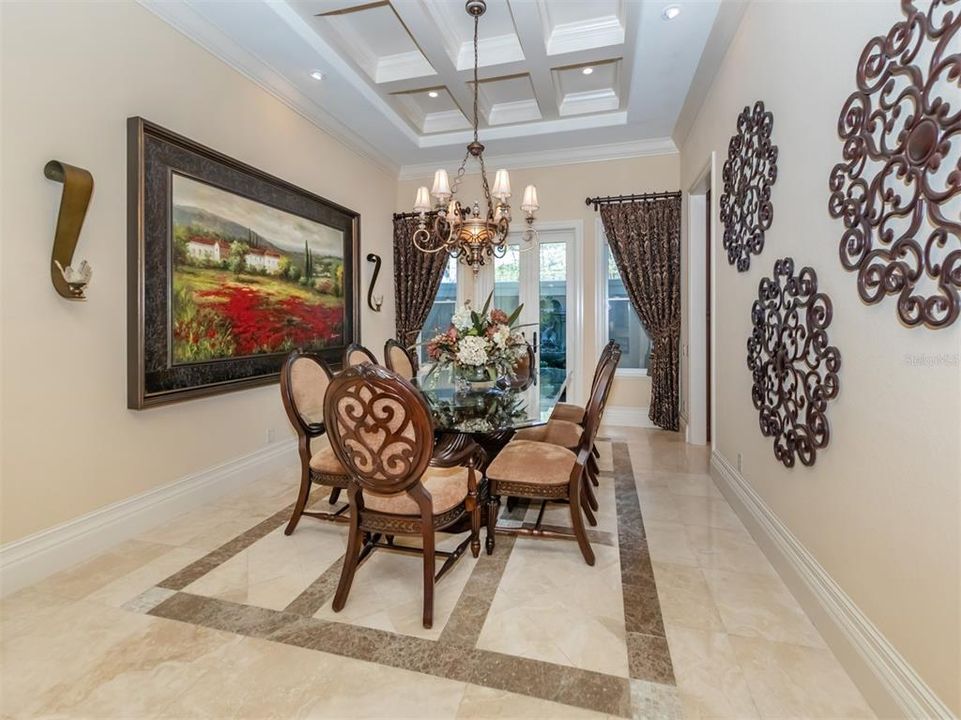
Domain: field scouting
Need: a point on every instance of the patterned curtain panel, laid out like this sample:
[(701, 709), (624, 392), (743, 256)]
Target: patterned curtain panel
[(645, 241), (416, 279)]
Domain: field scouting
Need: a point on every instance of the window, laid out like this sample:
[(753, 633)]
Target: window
[(616, 318), (441, 312)]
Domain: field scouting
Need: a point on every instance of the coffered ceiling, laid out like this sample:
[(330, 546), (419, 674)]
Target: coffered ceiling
[(394, 78)]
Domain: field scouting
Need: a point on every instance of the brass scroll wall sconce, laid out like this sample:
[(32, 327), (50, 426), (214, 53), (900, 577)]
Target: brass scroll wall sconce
[(69, 281), (374, 302)]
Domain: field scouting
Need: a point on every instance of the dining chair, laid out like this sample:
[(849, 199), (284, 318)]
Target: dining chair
[(575, 413), (304, 379), (355, 354), (568, 434), (399, 359), (549, 473), (381, 431)]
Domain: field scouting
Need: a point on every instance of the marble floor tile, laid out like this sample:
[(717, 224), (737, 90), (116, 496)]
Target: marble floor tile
[(760, 606), (552, 606), (720, 549), (207, 528), (388, 591), (480, 703), (667, 542), (685, 597), (709, 678), (792, 681), (127, 587), (105, 569), (275, 569), (688, 484), (654, 700), (706, 511), (658, 504)]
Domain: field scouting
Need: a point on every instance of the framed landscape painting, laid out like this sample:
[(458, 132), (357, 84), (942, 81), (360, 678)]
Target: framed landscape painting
[(229, 269)]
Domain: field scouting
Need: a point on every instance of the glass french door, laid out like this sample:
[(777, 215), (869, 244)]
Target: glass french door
[(539, 278)]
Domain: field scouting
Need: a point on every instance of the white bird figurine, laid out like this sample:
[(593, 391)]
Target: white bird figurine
[(78, 278)]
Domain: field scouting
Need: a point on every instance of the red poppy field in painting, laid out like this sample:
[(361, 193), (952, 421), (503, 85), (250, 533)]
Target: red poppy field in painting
[(249, 279)]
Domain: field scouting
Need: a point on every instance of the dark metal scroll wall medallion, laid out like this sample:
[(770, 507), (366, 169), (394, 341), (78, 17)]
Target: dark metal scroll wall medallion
[(795, 370), (898, 188), (749, 172)]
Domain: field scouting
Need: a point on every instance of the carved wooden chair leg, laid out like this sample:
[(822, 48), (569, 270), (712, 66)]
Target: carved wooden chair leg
[(589, 495), (577, 521), (390, 539), (593, 471), (351, 559), (493, 506), (586, 506), (334, 494), (429, 561), (302, 498)]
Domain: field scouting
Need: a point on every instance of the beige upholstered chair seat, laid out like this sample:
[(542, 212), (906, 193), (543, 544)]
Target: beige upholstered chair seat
[(447, 488), (569, 412), (325, 462), (528, 461), (556, 432)]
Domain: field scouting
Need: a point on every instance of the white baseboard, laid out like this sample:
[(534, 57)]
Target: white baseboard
[(627, 416), (36, 556), (885, 678)]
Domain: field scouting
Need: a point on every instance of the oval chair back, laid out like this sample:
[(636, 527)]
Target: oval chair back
[(400, 360), (304, 379), (380, 429), (598, 400), (604, 357), (355, 354)]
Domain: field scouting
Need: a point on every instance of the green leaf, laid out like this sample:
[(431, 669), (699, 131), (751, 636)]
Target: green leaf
[(487, 304), (514, 315), (475, 318)]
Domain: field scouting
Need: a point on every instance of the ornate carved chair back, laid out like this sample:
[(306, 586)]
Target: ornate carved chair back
[(304, 379), (381, 431), (355, 354), (400, 360), (598, 400)]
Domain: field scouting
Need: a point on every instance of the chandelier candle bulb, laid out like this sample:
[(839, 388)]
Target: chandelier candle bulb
[(502, 185), (529, 205), (422, 204), (441, 189)]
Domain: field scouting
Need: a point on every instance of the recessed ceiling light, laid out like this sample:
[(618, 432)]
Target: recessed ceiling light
[(317, 75), (587, 70), (433, 94), (671, 12)]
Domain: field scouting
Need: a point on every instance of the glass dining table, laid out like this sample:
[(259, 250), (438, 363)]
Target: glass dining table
[(488, 412)]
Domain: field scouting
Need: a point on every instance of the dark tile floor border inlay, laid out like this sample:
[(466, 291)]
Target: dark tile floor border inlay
[(454, 655)]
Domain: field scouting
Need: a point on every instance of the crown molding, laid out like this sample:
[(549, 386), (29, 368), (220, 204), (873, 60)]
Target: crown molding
[(187, 21), (550, 158)]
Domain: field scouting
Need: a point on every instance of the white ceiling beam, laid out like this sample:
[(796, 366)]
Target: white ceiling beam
[(530, 31), (430, 39)]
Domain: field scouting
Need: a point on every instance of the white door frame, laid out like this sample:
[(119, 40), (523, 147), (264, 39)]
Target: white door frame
[(478, 287), (697, 305)]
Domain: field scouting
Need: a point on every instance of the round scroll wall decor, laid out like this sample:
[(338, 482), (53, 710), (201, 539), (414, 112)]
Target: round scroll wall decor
[(795, 370), (749, 172), (898, 187)]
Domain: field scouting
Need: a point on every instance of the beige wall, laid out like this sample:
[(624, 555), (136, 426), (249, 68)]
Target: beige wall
[(72, 74), (880, 508), (561, 191)]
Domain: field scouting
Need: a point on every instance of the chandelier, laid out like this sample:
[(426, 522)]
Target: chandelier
[(462, 231)]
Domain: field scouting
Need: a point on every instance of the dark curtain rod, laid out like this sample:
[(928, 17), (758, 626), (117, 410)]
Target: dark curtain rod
[(644, 197)]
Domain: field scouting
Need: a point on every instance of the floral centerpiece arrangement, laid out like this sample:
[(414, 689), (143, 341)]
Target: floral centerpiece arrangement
[(479, 346)]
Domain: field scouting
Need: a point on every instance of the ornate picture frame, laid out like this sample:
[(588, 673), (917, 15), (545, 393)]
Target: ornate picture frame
[(228, 269)]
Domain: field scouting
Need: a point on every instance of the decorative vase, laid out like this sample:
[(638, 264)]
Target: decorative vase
[(473, 378)]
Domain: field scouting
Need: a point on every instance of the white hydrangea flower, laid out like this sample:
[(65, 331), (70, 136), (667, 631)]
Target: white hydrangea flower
[(473, 351), (501, 336), (461, 318)]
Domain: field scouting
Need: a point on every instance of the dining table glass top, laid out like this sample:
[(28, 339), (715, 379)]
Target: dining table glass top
[(489, 410)]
